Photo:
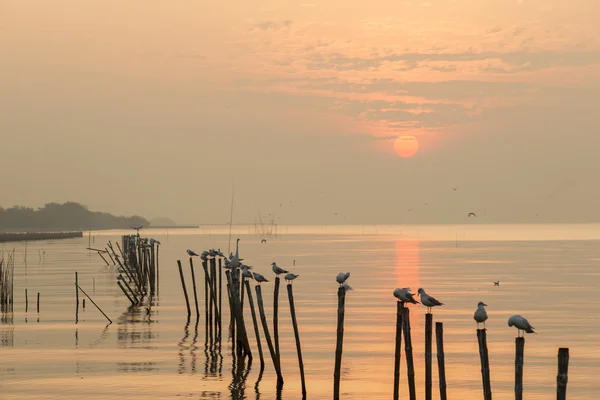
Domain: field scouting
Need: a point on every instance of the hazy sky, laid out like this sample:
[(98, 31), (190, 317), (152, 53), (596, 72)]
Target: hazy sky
[(155, 107)]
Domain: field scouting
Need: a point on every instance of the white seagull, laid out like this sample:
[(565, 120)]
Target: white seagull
[(246, 272), (427, 300), (521, 324), (259, 278), (341, 277), (278, 270), (191, 253), (480, 314), (404, 295), (290, 277)]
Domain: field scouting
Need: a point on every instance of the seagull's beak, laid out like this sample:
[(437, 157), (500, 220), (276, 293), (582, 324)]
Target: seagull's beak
[(485, 305)]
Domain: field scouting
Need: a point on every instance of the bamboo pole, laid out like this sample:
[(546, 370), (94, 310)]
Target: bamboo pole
[(94, 303), (397, 348), (297, 337), (126, 294), (563, 370), (130, 290), (410, 367), (263, 318), (276, 317), (194, 285), (519, 356), (187, 300), (76, 297), (439, 336), (220, 287), (38, 302), (254, 322), (26, 301), (339, 342), (428, 372), (213, 297), (485, 364)]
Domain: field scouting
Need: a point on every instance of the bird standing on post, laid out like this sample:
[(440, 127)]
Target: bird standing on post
[(521, 324), (480, 315), (278, 270), (341, 277), (290, 277), (259, 278), (427, 300), (191, 253), (404, 295)]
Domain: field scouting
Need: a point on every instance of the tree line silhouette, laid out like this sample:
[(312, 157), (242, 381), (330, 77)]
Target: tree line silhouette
[(67, 216)]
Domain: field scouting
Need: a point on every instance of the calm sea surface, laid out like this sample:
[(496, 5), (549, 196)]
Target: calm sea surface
[(547, 273)]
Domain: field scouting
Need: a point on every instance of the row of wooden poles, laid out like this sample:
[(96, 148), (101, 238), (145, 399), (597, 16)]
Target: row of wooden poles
[(237, 290), (138, 267), (403, 329)]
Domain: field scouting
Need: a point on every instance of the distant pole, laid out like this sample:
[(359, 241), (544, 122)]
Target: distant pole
[(194, 285), (220, 295), (485, 364), (187, 300), (76, 297), (410, 366), (519, 356), (94, 303), (397, 349), (562, 377), (38, 302), (26, 301), (439, 335), (276, 317), (339, 342), (297, 337), (428, 338)]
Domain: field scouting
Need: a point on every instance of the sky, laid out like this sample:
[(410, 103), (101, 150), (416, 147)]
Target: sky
[(161, 108)]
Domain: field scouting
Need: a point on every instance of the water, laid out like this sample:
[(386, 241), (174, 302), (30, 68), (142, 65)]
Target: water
[(548, 273)]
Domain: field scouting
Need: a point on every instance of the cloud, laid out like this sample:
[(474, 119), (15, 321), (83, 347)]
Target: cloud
[(270, 25)]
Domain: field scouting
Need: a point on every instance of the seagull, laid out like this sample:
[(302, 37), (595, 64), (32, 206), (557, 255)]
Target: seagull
[(404, 295), (427, 300), (346, 287), (480, 314), (191, 253), (264, 241), (521, 324), (290, 277), (341, 277), (259, 278), (246, 272), (471, 214), (212, 253), (204, 255), (496, 283), (278, 270)]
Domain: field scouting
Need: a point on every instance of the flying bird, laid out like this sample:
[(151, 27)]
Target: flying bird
[(521, 324), (191, 253), (278, 270), (496, 283), (264, 241), (480, 315), (404, 295), (290, 277), (341, 277), (427, 300), (471, 214)]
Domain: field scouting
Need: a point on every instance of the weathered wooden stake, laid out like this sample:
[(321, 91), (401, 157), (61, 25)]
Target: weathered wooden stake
[(410, 367), (194, 285), (263, 318), (439, 336), (563, 370), (76, 297), (38, 302), (187, 300), (397, 348), (99, 309), (339, 342), (519, 356), (26, 301), (254, 322), (220, 294), (297, 336), (276, 317), (428, 338), (485, 364), (126, 294)]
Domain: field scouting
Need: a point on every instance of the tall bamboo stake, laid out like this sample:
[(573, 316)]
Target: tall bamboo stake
[(254, 322), (339, 342), (397, 348), (187, 300), (439, 336), (519, 356), (485, 364), (563, 371), (428, 372), (410, 367), (194, 285), (297, 337), (263, 318), (276, 317)]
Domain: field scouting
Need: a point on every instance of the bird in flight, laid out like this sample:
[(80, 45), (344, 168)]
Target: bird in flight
[(471, 214), (264, 241), (496, 283)]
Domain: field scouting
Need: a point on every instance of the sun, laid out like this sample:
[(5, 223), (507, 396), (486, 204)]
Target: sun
[(406, 146)]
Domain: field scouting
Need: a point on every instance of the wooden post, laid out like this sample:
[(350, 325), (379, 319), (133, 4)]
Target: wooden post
[(94, 284), (126, 294), (397, 348), (276, 317), (99, 309), (76, 297), (519, 355), (254, 322), (439, 336), (410, 367), (220, 287), (428, 338), (339, 342), (297, 336), (38, 303), (187, 300), (26, 301), (213, 277), (263, 318), (157, 269), (130, 290), (485, 364), (100, 254), (194, 285), (213, 297), (231, 311), (562, 377)]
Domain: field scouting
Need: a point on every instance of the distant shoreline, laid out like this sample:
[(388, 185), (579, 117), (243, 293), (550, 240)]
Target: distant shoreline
[(27, 236)]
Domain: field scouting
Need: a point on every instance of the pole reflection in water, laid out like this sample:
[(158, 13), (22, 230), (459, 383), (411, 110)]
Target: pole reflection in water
[(193, 347), (239, 372), (182, 347)]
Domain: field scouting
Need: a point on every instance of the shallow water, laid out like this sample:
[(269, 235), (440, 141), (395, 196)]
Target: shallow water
[(548, 273)]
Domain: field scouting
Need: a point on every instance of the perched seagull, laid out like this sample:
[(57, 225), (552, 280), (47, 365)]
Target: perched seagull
[(191, 253), (220, 253), (427, 300), (471, 214), (521, 324), (259, 278), (346, 287), (246, 273), (404, 295), (204, 255), (227, 263), (496, 283), (246, 266), (480, 314), (290, 277), (278, 270), (212, 253), (341, 277)]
